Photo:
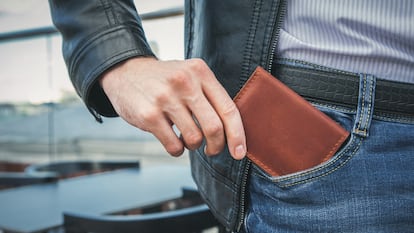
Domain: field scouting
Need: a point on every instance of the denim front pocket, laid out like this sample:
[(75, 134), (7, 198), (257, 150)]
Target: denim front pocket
[(366, 187), (346, 152)]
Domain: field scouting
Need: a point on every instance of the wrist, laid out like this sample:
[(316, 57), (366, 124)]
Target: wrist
[(112, 77)]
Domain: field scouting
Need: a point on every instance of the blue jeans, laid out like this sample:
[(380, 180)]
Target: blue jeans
[(368, 186)]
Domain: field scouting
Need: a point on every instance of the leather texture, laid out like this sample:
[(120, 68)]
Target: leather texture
[(97, 34), (342, 89), (232, 37), (285, 134)]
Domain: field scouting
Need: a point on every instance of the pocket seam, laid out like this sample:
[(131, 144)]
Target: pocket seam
[(341, 153), (325, 173), (353, 146)]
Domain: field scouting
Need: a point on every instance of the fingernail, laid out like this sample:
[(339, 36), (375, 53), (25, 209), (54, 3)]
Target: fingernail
[(240, 151)]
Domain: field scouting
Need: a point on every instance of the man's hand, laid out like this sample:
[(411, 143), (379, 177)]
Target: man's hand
[(155, 95)]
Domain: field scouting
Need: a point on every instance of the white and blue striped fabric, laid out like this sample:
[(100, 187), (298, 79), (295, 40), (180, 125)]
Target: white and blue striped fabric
[(362, 36)]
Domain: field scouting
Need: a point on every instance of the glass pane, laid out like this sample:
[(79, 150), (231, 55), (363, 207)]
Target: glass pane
[(41, 117)]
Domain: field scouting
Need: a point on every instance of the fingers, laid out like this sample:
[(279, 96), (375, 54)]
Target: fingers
[(191, 134), (181, 93), (211, 126), (231, 119), (153, 120), (166, 135), (190, 99), (219, 117)]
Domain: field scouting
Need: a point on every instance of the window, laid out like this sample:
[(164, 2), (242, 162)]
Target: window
[(41, 117)]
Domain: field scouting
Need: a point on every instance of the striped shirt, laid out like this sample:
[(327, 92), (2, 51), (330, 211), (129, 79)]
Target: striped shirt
[(361, 36)]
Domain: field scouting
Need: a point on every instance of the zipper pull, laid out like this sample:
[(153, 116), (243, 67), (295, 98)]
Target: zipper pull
[(95, 114)]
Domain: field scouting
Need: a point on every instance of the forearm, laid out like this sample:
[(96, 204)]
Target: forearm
[(96, 36)]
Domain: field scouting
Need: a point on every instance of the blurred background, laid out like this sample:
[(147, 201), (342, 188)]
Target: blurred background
[(41, 117)]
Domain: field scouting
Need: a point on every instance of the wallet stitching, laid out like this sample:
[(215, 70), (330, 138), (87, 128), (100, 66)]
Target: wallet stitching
[(240, 95), (328, 172), (320, 168), (335, 147), (248, 83), (254, 77), (323, 167), (264, 166), (349, 147), (274, 173)]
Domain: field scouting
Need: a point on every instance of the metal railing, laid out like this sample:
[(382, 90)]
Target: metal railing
[(50, 30)]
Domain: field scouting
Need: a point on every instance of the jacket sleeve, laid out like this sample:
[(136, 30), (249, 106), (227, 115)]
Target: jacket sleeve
[(97, 34)]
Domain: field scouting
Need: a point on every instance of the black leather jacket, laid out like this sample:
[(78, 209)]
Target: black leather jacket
[(231, 36)]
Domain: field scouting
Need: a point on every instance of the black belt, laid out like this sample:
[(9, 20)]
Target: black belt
[(343, 88)]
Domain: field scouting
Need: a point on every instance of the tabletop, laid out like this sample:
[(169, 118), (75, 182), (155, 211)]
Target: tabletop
[(40, 207)]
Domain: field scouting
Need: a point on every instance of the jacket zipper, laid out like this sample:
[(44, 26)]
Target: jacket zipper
[(275, 35), (243, 194), (275, 38)]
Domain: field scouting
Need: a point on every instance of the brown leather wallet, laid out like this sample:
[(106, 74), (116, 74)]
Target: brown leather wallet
[(285, 133)]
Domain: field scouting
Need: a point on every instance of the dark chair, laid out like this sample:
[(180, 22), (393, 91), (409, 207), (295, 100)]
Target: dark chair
[(189, 219), (12, 175), (16, 179), (66, 169), (12, 166)]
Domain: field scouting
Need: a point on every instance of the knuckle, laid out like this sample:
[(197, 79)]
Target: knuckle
[(174, 149), (198, 66), (140, 120), (150, 117), (235, 136), (214, 150), (181, 81), (198, 63), (229, 108), (193, 140), (214, 129), (162, 98)]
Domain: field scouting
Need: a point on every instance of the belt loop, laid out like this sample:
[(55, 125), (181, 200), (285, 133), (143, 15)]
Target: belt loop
[(365, 108)]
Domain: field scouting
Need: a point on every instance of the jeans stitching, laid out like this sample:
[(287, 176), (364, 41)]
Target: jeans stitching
[(393, 118), (319, 168), (364, 86), (365, 124), (353, 146), (332, 107), (328, 172), (371, 88)]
